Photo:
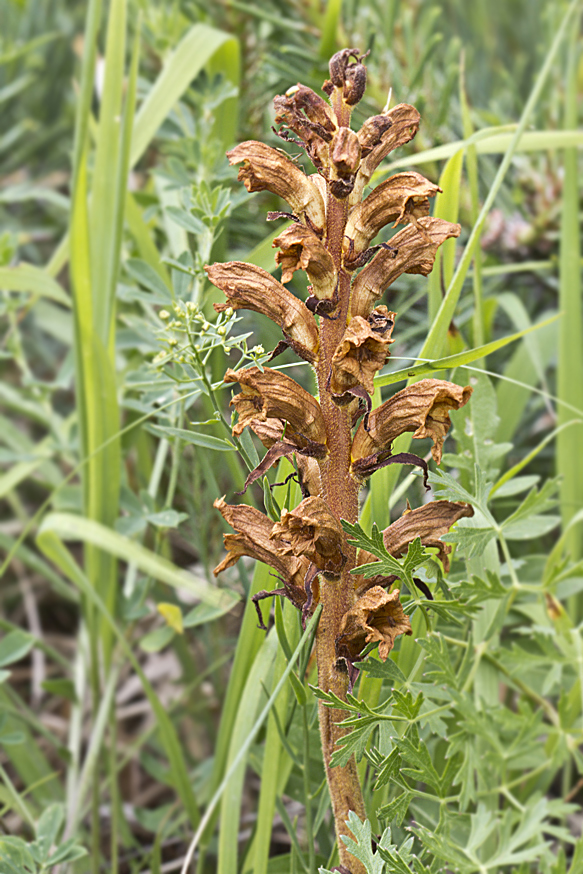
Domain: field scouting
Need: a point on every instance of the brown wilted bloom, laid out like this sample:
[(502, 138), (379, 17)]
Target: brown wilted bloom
[(309, 116), (268, 169), (376, 616), (249, 287), (429, 522), (412, 250), (313, 531), (423, 408), (362, 352), (270, 394), (252, 539), (302, 250), (379, 136), (401, 199)]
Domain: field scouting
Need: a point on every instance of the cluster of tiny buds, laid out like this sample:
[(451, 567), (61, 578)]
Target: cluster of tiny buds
[(199, 335)]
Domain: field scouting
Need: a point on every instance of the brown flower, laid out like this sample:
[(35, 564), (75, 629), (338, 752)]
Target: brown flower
[(310, 117), (423, 408), (302, 250), (380, 135), (313, 531), (362, 351), (266, 168), (401, 199), (270, 394), (412, 250), (376, 616), (252, 539), (249, 287), (344, 162), (429, 522)]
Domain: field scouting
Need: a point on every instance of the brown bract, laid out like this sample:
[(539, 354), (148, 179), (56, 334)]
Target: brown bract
[(364, 349), (310, 117), (412, 250), (423, 408), (270, 394), (429, 522), (376, 616), (379, 136), (266, 168), (302, 250), (249, 287), (252, 539), (311, 530), (401, 199)]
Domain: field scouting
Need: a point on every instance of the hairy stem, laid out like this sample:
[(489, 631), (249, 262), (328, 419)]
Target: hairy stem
[(340, 491)]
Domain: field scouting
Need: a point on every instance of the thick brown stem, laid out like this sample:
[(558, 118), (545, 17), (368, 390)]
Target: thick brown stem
[(340, 491)]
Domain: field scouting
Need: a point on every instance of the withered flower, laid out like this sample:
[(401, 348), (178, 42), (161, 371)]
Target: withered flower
[(302, 250), (311, 530), (344, 162), (253, 539), (376, 616), (364, 349), (309, 116), (381, 135), (401, 199), (251, 288), (412, 250), (266, 168), (269, 395), (429, 522), (423, 408)]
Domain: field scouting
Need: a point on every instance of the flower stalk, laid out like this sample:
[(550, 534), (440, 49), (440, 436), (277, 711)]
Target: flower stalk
[(335, 440)]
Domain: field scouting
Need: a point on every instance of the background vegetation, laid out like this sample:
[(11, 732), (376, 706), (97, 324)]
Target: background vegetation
[(144, 719)]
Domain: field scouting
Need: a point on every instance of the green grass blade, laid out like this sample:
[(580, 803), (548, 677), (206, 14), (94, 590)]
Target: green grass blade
[(83, 112), (67, 526), (328, 41), (178, 767), (447, 204), (103, 216), (418, 371), (192, 53), (251, 698), (26, 277), (570, 349), (244, 748), (488, 141), (274, 754), (436, 338)]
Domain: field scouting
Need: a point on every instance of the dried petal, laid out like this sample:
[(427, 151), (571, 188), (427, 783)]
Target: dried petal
[(423, 408), (351, 78), (377, 139), (412, 250), (270, 394), (344, 162), (249, 287), (313, 531), (429, 522), (362, 352), (310, 117), (376, 616), (309, 476), (252, 539), (302, 250), (401, 199), (267, 168)]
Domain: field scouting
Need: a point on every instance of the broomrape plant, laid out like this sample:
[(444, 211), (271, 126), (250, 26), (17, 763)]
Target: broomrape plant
[(336, 440)]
